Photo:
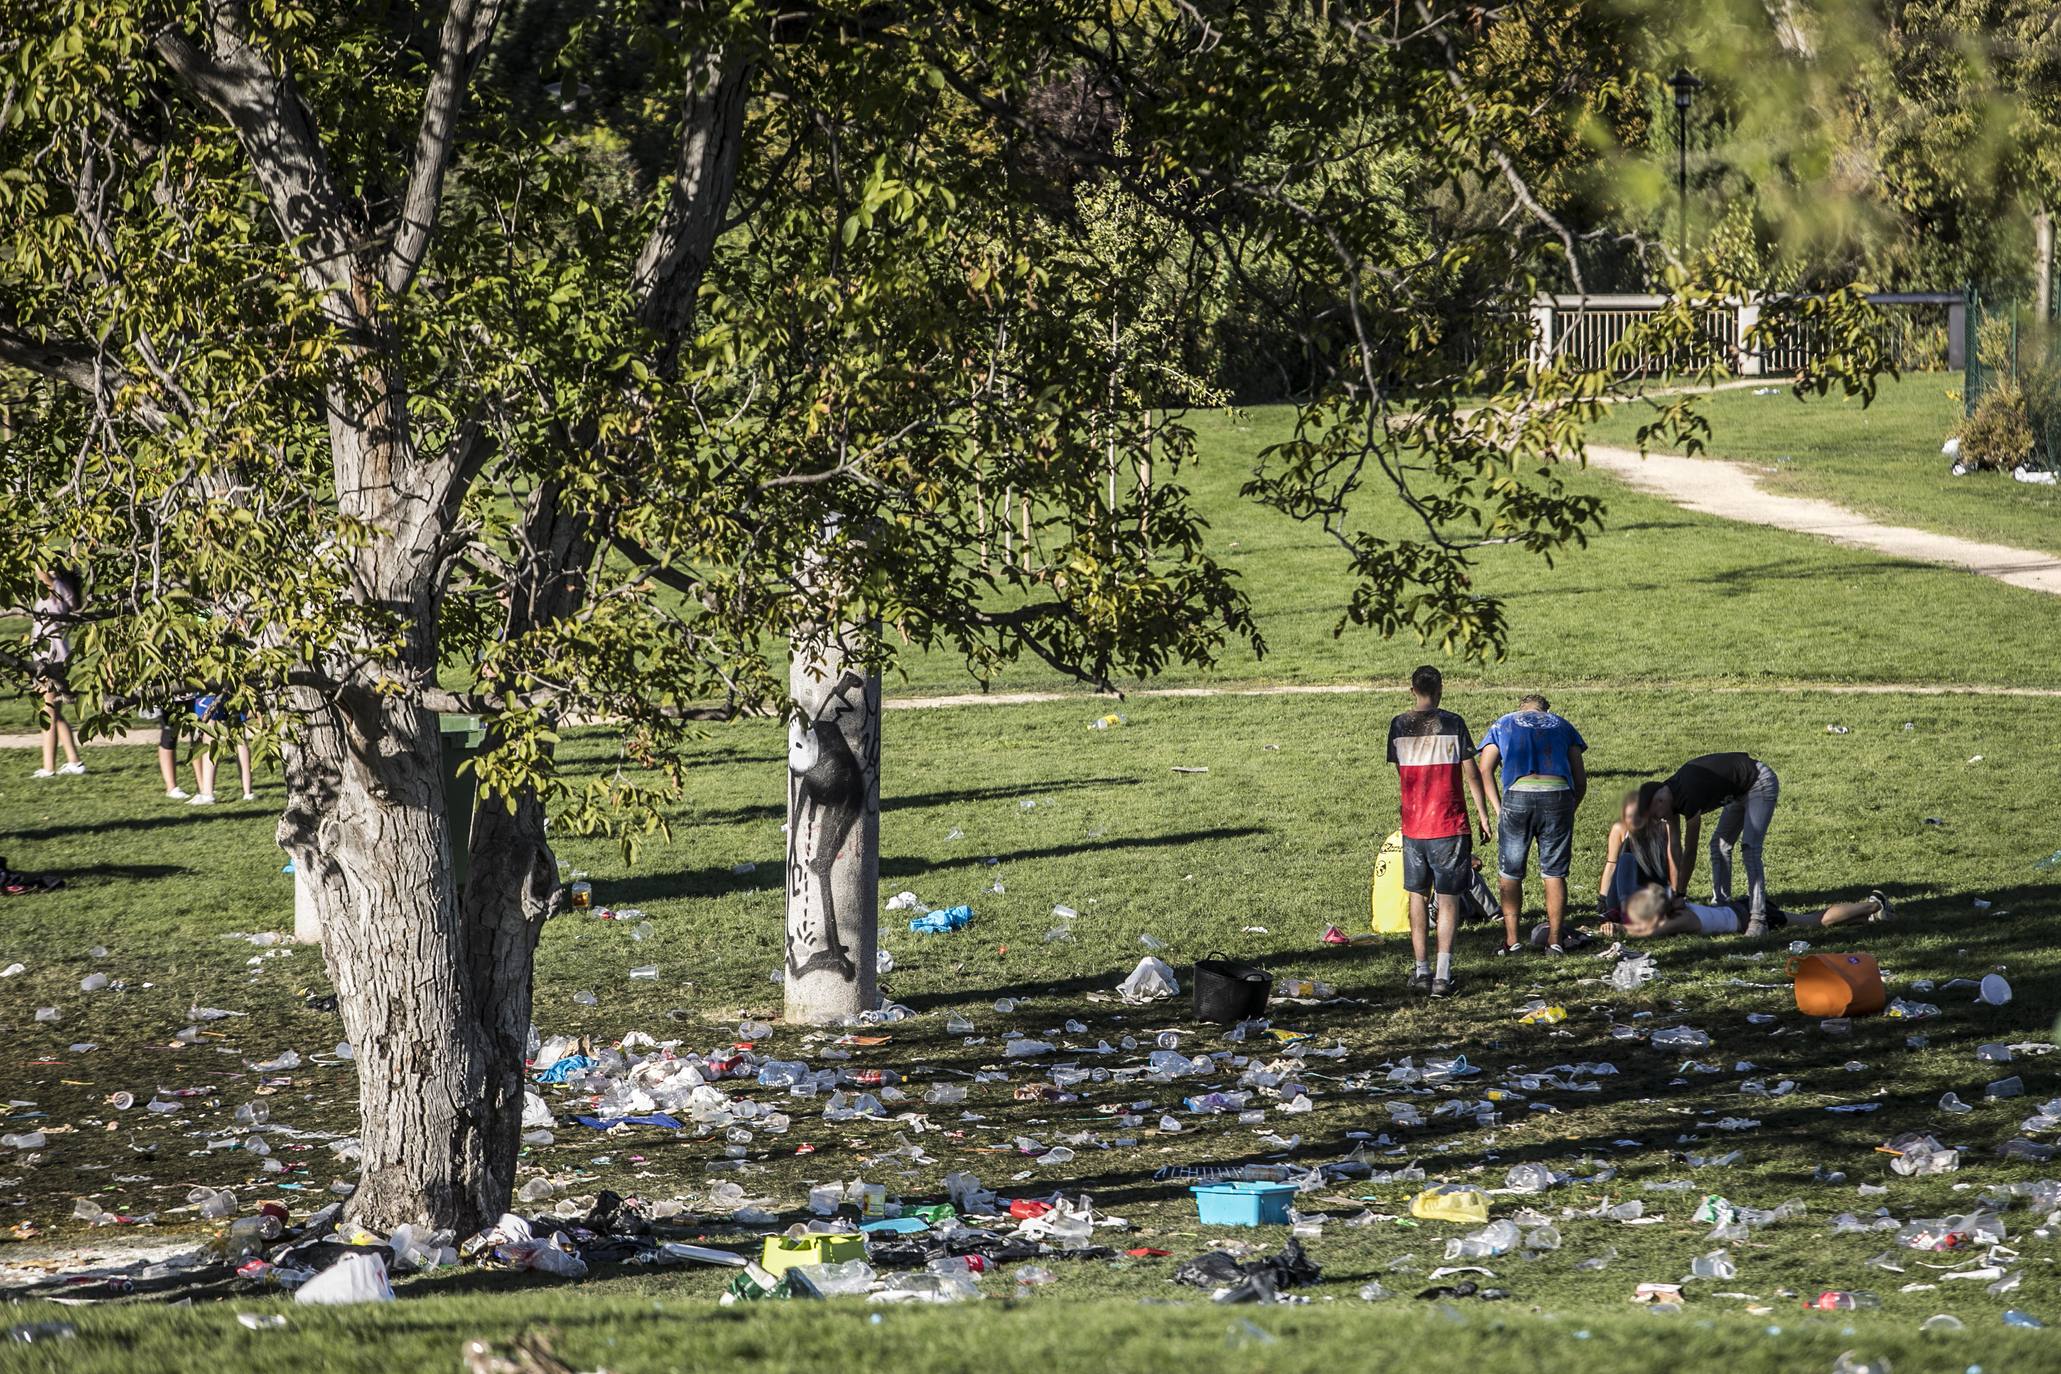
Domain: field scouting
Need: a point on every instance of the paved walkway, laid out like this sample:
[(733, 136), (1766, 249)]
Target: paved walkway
[(1715, 486), (1323, 689)]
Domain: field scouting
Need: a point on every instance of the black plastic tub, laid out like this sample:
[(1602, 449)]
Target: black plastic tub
[(1227, 991)]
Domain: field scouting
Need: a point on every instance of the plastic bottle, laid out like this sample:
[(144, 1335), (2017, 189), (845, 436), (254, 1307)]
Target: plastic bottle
[(2025, 1319), (1842, 1300)]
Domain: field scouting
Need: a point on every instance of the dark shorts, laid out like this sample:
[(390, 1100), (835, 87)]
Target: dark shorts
[(1776, 917), (1443, 866), (1544, 819)]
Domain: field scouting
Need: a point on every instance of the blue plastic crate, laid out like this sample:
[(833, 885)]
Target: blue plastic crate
[(1242, 1203)]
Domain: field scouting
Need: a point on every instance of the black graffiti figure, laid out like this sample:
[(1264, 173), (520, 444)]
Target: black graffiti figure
[(828, 794)]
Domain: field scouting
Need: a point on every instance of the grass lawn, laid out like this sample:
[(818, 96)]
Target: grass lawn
[(1662, 595), (1882, 460), (1278, 835)]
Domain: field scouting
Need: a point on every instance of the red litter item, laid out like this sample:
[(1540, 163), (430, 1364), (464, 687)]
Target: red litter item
[(273, 1209), (1023, 1208), (1147, 1252)]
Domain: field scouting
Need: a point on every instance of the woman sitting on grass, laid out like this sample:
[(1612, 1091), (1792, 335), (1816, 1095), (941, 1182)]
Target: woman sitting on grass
[(1652, 910)]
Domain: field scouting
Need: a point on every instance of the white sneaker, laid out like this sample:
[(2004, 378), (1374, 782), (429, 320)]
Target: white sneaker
[(250, 796), (74, 769), (203, 799), (176, 793), (44, 773)]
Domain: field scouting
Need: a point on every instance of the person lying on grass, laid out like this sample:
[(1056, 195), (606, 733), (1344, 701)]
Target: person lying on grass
[(1653, 911)]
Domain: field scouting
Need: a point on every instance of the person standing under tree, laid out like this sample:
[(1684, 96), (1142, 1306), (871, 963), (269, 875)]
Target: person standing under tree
[(1743, 790), (1542, 783), (50, 651), (1433, 756)]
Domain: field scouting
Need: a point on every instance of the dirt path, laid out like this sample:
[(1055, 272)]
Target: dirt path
[(1732, 490), (1324, 689)]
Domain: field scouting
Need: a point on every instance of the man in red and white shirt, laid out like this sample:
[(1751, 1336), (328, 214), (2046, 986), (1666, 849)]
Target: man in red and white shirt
[(1433, 754)]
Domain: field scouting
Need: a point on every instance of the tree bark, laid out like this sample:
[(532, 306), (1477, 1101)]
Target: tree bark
[(833, 837), (365, 822)]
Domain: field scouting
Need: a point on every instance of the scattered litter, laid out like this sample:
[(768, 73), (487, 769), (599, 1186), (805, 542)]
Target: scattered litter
[(942, 922)]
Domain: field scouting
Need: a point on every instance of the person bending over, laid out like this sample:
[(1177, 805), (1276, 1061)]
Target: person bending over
[(1743, 791), (1653, 911)]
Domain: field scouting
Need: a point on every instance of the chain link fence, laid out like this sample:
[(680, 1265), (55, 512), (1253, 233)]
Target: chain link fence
[(2013, 369)]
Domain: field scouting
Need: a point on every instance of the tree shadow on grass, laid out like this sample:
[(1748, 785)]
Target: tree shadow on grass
[(707, 882), (773, 811), (183, 816)]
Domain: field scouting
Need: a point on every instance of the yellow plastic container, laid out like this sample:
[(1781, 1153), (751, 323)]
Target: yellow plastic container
[(786, 1252), (1451, 1202), (1391, 905)]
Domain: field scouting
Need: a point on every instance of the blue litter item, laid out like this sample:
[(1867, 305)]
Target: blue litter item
[(565, 1068), (609, 1123), (1239, 1203), (894, 1226), (286, 867), (942, 922)]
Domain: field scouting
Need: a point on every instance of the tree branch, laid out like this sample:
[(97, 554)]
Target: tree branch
[(76, 363), (238, 83), (467, 27), (669, 270)]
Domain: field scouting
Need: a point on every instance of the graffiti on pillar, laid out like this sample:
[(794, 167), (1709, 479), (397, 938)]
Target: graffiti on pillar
[(832, 759)]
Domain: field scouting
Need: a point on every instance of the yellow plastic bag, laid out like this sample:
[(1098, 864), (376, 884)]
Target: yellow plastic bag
[(1451, 1202), (1391, 905)]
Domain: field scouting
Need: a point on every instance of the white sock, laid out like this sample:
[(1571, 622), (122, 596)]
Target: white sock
[(1423, 966), (1445, 965)]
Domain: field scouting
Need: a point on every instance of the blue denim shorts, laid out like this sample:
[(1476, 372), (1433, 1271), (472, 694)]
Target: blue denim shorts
[(1542, 818), (1443, 866)]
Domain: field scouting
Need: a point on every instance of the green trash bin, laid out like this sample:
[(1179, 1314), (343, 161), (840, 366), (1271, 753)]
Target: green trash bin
[(462, 738)]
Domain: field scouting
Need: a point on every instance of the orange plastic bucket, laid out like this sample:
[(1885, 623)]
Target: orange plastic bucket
[(1838, 985)]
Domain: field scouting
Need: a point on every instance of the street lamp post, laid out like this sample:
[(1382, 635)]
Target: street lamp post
[(1684, 86)]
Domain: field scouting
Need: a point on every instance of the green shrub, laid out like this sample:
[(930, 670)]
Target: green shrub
[(1998, 436)]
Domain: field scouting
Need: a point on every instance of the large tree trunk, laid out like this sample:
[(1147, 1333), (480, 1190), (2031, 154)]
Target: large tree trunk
[(365, 822), (833, 837)]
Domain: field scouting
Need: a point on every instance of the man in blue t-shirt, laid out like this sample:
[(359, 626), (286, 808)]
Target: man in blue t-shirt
[(1543, 781)]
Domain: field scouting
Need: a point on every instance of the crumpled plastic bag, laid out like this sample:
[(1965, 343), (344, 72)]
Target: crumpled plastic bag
[(1255, 1280), (355, 1278), (1151, 980), (1450, 1202), (562, 1069)]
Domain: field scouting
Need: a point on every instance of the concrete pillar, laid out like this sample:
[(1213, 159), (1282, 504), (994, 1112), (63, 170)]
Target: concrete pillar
[(1957, 335), (1750, 360), (1542, 334)]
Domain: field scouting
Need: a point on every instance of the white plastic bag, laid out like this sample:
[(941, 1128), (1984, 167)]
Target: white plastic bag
[(353, 1279), (1152, 979)]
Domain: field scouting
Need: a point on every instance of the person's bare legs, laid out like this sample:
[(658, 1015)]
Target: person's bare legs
[(57, 731), (243, 768), (1511, 890), (168, 767), (204, 774), (1419, 919), (1448, 923), (1556, 908), (1840, 913)]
